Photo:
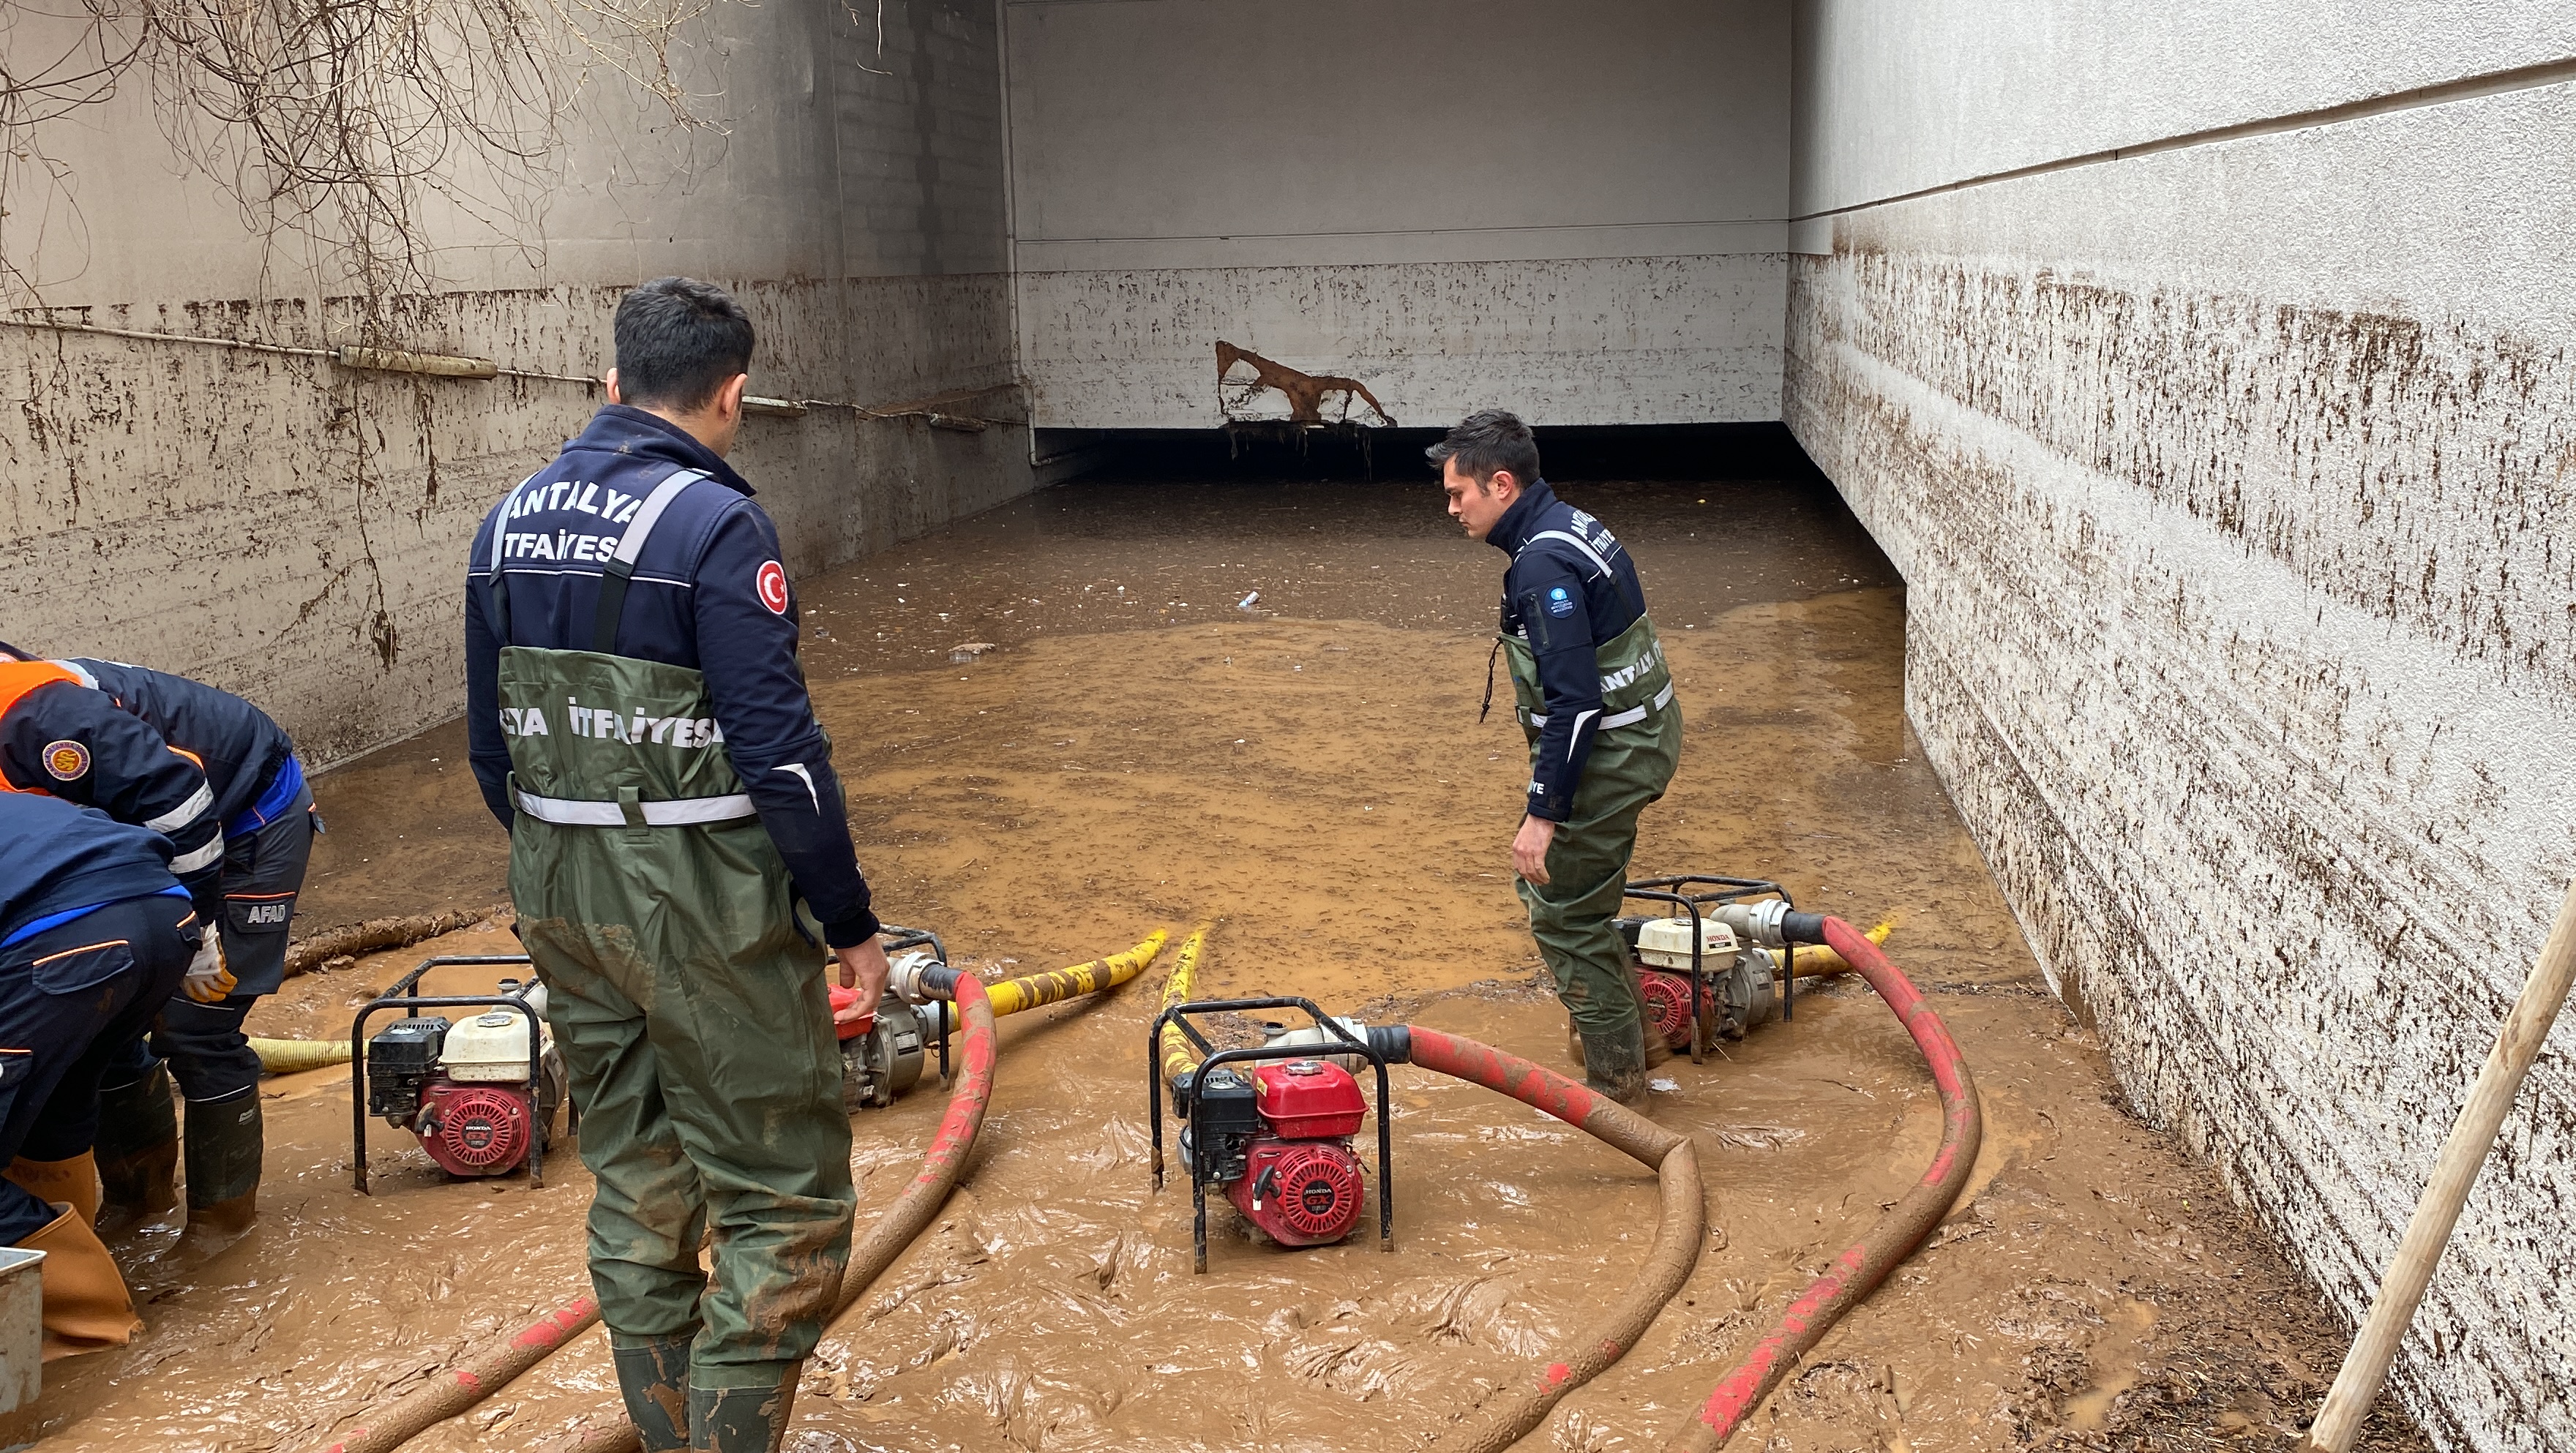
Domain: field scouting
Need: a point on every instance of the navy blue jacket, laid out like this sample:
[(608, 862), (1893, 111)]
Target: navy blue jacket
[(74, 742), (1557, 598), (239, 746), (56, 857), (697, 600)]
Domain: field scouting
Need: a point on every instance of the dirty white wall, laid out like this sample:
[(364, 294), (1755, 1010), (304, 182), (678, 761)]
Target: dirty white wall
[(297, 532), (1575, 211), (2213, 392)]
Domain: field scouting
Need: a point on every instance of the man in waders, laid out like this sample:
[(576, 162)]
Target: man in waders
[(640, 724), (1596, 703), (220, 779)]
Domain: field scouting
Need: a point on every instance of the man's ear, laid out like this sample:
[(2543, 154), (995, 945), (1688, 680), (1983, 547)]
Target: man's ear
[(729, 397), (612, 388), (1502, 482)]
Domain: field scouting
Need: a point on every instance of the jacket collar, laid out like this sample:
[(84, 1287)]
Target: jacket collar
[(619, 429), (1523, 519)]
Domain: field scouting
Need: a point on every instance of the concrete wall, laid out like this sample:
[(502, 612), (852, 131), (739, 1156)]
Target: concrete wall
[(2228, 475), (297, 532), (1576, 212)]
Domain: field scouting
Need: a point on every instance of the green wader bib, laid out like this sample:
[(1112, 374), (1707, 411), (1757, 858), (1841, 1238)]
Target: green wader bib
[(1634, 752), (691, 1013)]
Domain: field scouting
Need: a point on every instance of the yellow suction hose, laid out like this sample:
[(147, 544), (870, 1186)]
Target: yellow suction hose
[(287, 1056), (1813, 961), (1177, 1059), (1029, 991)]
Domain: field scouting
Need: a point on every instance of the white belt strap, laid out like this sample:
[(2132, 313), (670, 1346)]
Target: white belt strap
[(1630, 717), (679, 812)]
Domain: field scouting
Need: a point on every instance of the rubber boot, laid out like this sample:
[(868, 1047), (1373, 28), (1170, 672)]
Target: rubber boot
[(223, 1154), (60, 1182), (1573, 1042), (741, 1419), (86, 1308), (653, 1374), (1614, 1064), (138, 1151)]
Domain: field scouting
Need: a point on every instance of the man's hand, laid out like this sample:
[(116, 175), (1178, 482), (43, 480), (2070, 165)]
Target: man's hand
[(865, 969), (208, 981), (1529, 848)]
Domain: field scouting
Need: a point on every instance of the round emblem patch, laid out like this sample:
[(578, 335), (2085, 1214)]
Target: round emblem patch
[(773, 587), (66, 761)]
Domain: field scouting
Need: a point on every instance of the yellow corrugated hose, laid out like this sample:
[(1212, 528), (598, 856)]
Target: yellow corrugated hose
[(286, 1056), (1177, 1059), (1032, 990)]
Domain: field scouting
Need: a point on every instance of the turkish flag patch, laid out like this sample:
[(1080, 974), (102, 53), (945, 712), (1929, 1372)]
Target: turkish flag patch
[(772, 584)]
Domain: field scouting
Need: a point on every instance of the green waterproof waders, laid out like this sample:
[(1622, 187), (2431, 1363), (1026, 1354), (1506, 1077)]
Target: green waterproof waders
[(691, 1014), (1639, 743)]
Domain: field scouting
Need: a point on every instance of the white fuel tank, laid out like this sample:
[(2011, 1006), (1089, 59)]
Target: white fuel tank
[(492, 1046), (1665, 943)]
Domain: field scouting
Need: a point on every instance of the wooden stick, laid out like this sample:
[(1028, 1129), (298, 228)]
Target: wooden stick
[(2365, 1368)]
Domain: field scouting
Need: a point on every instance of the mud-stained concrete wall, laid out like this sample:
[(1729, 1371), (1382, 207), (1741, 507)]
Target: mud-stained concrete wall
[(1577, 212), (2229, 479), (296, 532)]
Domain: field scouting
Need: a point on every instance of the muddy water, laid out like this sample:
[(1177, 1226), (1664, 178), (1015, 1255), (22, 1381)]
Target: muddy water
[(1310, 775)]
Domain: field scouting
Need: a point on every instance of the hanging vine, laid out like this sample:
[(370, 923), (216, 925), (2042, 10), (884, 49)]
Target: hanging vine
[(346, 126)]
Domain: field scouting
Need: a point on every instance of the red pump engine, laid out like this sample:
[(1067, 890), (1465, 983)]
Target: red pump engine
[(1298, 1180)]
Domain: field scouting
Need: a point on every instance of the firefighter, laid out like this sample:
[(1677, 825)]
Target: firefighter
[(640, 724), (1596, 703), (94, 935), (244, 833)]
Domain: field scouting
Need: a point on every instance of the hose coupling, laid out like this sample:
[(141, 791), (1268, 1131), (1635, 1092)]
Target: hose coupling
[(1771, 923), (919, 976), (1393, 1041)]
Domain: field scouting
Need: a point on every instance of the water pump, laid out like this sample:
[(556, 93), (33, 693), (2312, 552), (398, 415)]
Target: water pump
[(480, 1091), (1704, 972), (1271, 1127)]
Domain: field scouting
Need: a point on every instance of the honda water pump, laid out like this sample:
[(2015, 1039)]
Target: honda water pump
[(480, 1089), (1702, 973), (1271, 1127)]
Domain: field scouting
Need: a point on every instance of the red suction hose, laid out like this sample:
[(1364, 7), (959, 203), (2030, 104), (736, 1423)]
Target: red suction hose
[(1517, 1407), (486, 1370), (1864, 1264)]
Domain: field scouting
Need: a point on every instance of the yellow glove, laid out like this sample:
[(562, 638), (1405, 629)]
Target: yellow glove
[(208, 980)]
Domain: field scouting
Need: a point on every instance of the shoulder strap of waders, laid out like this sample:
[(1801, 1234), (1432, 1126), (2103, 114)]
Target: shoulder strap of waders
[(621, 566), (492, 566)]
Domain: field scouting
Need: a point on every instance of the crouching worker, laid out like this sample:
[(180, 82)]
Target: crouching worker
[(94, 935), (218, 777), (1596, 702), (640, 724)]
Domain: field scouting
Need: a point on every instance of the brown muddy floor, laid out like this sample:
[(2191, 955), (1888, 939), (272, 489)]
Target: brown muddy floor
[(1134, 749)]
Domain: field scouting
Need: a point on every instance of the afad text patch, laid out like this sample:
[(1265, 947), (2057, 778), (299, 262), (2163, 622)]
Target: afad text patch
[(1559, 603), (66, 761), (772, 583)]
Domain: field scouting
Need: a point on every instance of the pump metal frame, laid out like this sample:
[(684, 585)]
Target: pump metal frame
[(400, 997), (1178, 1015), (1703, 989)]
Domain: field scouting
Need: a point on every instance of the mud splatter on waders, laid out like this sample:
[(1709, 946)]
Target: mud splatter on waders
[(1634, 755), (692, 1018)]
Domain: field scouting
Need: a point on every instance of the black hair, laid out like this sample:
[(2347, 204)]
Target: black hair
[(9, 650), (678, 340), (1486, 441)]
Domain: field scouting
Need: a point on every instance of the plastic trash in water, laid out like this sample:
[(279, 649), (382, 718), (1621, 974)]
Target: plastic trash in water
[(1249, 601), (1663, 1087)]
